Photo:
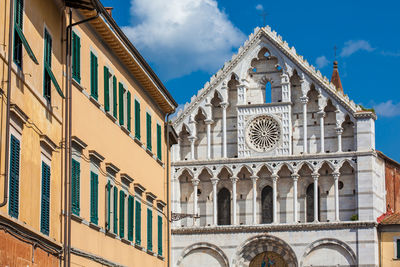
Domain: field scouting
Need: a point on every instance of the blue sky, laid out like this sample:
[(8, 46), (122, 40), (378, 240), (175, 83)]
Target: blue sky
[(187, 41)]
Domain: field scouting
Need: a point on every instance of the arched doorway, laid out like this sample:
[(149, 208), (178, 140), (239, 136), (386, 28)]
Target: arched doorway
[(224, 207), (266, 205), (268, 259), (310, 203)]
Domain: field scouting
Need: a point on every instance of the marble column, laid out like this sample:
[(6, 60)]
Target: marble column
[(214, 182), (304, 101), (254, 180), (322, 130), (208, 123), (224, 141), (195, 183), (274, 197), (234, 209), (315, 177), (339, 131), (295, 178), (192, 140), (336, 176)]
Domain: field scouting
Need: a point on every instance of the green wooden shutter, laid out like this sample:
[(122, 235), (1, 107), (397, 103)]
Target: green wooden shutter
[(121, 104), (115, 210), (108, 199), (76, 57), (106, 89), (94, 197), (149, 229), (45, 203), (137, 119), (148, 131), (128, 110), (18, 23), (115, 97), (13, 205), (93, 76), (398, 248), (159, 236), (159, 150), (47, 65), (19, 13), (75, 187), (130, 218), (121, 214), (138, 221)]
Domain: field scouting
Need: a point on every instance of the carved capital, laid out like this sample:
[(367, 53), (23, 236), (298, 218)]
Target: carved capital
[(234, 179), (254, 179), (315, 176), (274, 177), (208, 121), (304, 99), (214, 181), (339, 130), (295, 177), (224, 105), (195, 182), (336, 175)]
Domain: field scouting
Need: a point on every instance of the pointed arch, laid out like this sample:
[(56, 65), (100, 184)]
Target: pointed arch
[(224, 206), (246, 167), (207, 170), (264, 165), (281, 165), (182, 170), (305, 163), (224, 167)]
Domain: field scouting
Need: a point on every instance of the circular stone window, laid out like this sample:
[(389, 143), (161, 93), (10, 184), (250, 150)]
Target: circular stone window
[(263, 133)]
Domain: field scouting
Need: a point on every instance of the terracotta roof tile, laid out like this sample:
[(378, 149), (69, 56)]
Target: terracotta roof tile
[(391, 219), (336, 78)]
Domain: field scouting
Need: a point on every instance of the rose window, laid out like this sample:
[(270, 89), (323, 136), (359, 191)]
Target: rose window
[(263, 133)]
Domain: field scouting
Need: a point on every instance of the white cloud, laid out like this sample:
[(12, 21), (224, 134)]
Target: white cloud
[(182, 36), (387, 109), (259, 7), (390, 53), (351, 47), (321, 62)]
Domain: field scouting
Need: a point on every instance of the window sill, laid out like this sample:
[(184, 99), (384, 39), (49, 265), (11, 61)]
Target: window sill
[(137, 140), (126, 241), (111, 234), (138, 246), (77, 85), (160, 257), (149, 152), (160, 162), (111, 116), (94, 226), (76, 218), (125, 130), (150, 252), (94, 101)]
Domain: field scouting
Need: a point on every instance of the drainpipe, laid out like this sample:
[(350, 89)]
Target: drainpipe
[(6, 158), (68, 133), (168, 193)]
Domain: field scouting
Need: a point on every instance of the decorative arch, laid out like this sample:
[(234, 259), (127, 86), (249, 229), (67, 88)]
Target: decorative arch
[(309, 165), (330, 164), (248, 168), (258, 169), (203, 245), (259, 244), (350, 162), (280, 166), (329, 241), (207, 170), (181, 170), (227, 168)]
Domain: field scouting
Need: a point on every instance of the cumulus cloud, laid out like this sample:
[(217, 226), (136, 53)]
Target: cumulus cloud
[(182, 36), (259, 7), (387, 109), (352, 46), (321, 62)]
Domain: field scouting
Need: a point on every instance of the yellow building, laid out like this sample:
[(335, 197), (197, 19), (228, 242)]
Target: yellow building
[(389, 240), (99, 137)]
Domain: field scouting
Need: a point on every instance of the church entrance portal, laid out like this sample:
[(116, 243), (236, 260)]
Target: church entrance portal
[(268, 259)]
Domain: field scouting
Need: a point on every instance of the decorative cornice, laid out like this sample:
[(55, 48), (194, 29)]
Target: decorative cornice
[(14, 109), (125, 177), (78, 142), (274, 227), (96, 155), (365, 115), (46, 141), (139, 188), (112, 167)]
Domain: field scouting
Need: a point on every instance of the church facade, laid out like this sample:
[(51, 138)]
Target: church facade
[(275, 166)]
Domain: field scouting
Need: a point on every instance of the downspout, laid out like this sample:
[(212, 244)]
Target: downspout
[(6, 158), (68, 133), (168, 193)]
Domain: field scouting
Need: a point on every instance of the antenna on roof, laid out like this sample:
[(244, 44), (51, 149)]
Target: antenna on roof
[(264, 16)]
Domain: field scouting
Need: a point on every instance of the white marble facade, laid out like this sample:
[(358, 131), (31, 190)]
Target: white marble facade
[(272, 158)]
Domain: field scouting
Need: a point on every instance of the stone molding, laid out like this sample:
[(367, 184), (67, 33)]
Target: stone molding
[(203, 245)]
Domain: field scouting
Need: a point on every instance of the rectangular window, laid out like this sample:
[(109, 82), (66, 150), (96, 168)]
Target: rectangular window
[(13, 205), (45, 205), (148, 131), (75, 186), (115, 222), (130, 218), (138, 223), (76, 57), (106, 89), (122, 214), (137, 119), (159, 237), (149, 230), (108, 206), (94, 76), (121, 104), (398, 248), (159, 150), (47, 64), (94, 182), (128, 110), (115, 96), (18, 24)]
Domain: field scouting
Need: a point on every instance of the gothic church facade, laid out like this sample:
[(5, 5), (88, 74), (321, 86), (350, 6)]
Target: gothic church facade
[(275, 166)]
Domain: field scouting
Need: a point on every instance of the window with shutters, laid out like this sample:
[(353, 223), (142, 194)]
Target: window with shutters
[(128, 110), (397, 247), (130, 218), (94, 76), (121, 93), (148, 131), (138, 223), (108, 205), (94, 182), (115, 97), (149, 229), (48, 75), (45, 200), (13, 204), (75, 186), (76, 57), (159, 150), (159, 236), (115, 210), (137, 119), (107, 92), (122, 196)]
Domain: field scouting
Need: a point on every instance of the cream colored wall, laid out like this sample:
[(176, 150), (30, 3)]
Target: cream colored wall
[(387, 252), (27, 94)]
